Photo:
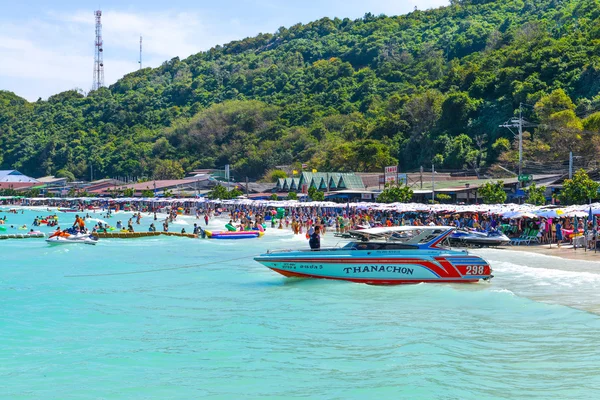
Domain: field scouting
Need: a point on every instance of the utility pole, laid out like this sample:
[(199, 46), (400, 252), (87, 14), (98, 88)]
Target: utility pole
[(517, 123), (570, 165), (421, 177), (520, 138), (432, 184)]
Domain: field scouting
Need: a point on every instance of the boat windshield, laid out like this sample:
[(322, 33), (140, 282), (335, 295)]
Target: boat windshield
[(414, 236), (379, 246)]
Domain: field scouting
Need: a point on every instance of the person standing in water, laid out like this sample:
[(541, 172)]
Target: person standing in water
[(315, 239)]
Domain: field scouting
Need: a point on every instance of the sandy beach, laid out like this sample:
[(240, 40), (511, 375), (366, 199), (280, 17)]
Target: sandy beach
[(565, 251)]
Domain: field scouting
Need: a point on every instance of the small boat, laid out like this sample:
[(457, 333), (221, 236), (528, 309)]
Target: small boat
[(384, 256), (233, 235), (72, 239), (479, 239)]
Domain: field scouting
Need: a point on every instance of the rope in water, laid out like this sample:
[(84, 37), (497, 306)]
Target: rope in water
[(147, 271)]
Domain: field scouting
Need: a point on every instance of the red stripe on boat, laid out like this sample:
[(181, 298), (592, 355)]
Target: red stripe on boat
[(374, 281)]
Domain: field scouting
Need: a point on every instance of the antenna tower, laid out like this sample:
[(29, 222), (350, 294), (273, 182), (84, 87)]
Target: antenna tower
[(98, 55), (140, 53)]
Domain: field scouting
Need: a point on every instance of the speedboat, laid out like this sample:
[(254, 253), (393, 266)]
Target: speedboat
[(384, 256), (69, 238), (479, 239)]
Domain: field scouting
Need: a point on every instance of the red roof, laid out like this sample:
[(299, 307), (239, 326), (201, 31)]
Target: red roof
[(150, 185), (17, 185)]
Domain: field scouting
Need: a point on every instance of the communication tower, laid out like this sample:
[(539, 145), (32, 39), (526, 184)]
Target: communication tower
[(98, 56), (140, 53)]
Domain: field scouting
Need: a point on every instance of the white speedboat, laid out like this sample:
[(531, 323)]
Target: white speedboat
[(67, 238), (385, 256), (479, 239)]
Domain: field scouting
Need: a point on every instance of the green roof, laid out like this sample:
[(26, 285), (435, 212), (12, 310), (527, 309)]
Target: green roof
[(350, 181)]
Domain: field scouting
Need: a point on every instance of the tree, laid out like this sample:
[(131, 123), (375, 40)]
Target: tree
[(493, 192), (147, 193), (535, 195), (33, 192), (443, 197), (394, 193), (273, 175), (128, 192), (316, 195), (556, 101), (349, 95), (292, 196), (220, 192), (579, 190), (274, 196), (457, 109), (64, 173), (168, 169)]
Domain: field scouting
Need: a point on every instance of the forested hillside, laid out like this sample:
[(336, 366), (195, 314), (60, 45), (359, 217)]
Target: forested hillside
[(337, 94)]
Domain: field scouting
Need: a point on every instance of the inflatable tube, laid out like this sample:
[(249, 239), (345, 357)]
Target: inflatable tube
[(230, 228), (234, 235), (261, 228), (2, 228)]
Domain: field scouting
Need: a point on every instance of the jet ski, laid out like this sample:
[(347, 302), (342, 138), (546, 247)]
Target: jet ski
[(478, 239), (71, 237)]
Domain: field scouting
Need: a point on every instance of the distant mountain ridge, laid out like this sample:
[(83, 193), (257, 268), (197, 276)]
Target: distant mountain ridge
[(343, 95)]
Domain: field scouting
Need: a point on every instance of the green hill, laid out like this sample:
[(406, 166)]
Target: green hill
[(337, 94)]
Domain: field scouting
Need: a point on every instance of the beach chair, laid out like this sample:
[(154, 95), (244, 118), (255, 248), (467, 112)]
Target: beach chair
[(521, 239)]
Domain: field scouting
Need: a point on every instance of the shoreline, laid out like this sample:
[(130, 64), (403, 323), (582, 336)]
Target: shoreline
[(565, 252)]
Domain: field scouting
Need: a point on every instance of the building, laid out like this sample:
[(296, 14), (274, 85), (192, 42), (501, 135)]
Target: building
[(324, 181), (13, 179)]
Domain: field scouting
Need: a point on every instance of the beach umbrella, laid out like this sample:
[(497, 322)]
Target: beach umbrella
[(576, 214)]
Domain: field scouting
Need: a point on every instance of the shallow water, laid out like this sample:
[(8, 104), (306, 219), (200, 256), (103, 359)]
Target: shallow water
[(216, 324)]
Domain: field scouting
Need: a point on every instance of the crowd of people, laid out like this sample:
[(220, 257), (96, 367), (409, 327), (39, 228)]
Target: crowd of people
[(304, 219)]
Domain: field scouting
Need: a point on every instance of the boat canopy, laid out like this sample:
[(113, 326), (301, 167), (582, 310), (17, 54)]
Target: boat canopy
[(422, 236)]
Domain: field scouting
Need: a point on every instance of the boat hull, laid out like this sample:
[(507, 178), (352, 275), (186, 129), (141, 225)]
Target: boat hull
[(71, 240), (381, 269), (480, 242)]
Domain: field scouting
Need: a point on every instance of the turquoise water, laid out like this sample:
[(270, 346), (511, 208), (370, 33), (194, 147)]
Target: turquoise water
[(234, 329)]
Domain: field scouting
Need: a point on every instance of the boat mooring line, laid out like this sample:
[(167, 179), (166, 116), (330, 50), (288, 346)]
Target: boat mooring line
[(158, 269)]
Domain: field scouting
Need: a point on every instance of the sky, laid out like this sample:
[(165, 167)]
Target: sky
[(48, 47)]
